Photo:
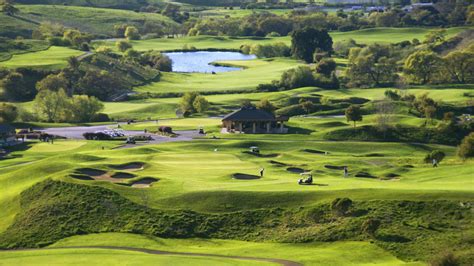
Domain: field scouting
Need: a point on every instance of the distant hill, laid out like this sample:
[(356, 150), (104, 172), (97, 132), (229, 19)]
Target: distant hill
[(120, 4)]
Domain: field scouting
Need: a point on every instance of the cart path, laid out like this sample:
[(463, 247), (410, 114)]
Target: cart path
[(161, 252)]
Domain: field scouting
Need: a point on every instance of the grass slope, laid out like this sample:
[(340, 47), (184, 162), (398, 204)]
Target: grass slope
[(89, 19), (337, 253), (52, 58)]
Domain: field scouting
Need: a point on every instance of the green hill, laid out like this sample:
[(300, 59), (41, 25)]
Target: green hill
[(121, 4)]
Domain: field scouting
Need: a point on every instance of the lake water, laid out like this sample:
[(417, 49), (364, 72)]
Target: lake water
[(200, 61)]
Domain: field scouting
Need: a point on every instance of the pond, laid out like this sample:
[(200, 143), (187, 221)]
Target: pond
[(200, 61)]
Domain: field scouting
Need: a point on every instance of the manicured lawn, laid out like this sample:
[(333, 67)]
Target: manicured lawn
[(340, 253), (52, 58), (257, 72), (83, 256)]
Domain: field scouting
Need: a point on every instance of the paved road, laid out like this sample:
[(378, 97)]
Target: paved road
[(77, 133), (160, 252)]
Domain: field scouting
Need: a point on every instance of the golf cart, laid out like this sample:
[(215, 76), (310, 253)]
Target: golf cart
[(254, 149), (130, 140), (306, 181)]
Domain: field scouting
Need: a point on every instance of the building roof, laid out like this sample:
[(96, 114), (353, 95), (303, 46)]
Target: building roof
[(250, 114), (6, 128)]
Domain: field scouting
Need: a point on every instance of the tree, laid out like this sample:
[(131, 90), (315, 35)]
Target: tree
[(8, 8), (15, 87), (301, 76), (422, 66), (266, 105), (372, 65), (326, 66), (304, 43), (83, 108), (123, 46), (51, 105), (459, 65), (434, 155), (132, 54), (8, 112), (385, 110), (466, 149), (186, 103), (100, 84), (247, 104), (308, 106), (132, 33), (353, 113), (200, 104), (53, 82)]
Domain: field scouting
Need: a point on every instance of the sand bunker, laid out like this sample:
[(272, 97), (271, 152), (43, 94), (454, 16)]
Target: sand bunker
[(365, 175), (334, 167), (133, 166), (296, 170), (314, 151), (82, 177), (270, 155), (278, 163), (245, 176), (144, 183), (90, 171), (121, 175)]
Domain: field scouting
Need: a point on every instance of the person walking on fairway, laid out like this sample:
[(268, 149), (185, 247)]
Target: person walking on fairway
[(261, 171), (346, 172), (435, 163)]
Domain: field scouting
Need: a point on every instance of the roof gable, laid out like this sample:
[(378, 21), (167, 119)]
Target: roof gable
[(249, 114)]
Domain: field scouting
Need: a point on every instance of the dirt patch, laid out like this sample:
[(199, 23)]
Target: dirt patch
[(270, 155), (334, 167), (90, 171), (82, 177), (121, 175), (245, 176), (295, 170), (315, 151), (133, 166), (364, 175), (278, 163), (144, 183)]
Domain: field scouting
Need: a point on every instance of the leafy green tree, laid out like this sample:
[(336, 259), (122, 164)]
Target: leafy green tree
[(301, 76), (51, 105), (466, 149), (186, 103), (460, 66), (266, 105), (200, 104), (132, 54), (422, 66), (123, 46), (53, 82), (100, 84), (304, 43), (8, 112), (15, 87), (354, 114), (83, 108), (132, 33), (308, 106), (436, 155), (372, 65), (326, 66)]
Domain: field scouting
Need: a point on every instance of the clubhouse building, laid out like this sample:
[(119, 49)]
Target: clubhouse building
[(251, 120)]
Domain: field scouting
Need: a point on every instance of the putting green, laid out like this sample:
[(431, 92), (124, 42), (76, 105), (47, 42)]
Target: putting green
[(52, 58)]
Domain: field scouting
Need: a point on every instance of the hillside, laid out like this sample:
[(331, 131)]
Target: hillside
[(119, 4)]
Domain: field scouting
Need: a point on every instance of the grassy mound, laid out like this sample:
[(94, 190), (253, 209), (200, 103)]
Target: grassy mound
[(54, 210)]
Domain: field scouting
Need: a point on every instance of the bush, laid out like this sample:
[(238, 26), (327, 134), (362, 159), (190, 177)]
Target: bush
[(100, 117), (370, 226), (96, 136), (301, 76), (341, 206), (436, 155), (445, 259), (466, 149), (165, 129)]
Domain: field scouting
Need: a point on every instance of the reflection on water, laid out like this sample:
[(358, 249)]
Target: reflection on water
[(200, 61)]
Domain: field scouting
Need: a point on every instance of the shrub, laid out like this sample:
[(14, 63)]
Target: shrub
[(466, 149), (341, 206), (445, 259), (436, 155), (100, 117), (370, 226), (165, 129), (96, 136), (301, 76)]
